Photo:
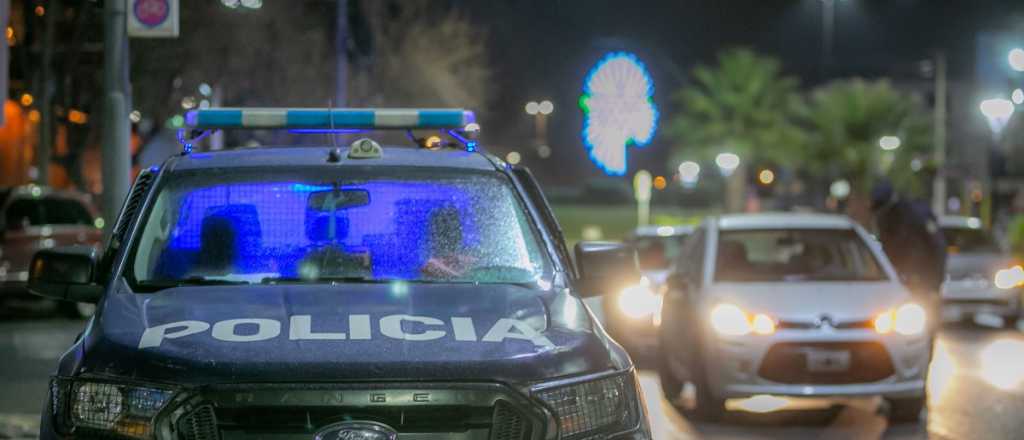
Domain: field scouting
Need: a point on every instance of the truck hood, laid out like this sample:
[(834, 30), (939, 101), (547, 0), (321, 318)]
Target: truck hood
[(317, 333), (808, 301)]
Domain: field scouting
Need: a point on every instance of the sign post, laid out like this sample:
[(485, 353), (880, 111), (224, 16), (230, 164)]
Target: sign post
[(642, 191)]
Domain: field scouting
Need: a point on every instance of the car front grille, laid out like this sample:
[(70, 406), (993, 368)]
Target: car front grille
[(486, 412), (787, 363), (841, 325)]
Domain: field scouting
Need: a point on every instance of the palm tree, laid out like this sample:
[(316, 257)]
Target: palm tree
[(849, 117), (742, 105)]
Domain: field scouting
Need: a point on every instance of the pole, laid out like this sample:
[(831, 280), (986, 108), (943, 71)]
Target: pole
[(341, 53), (939, 136), (47, 121), (828, 24), (116, 129)]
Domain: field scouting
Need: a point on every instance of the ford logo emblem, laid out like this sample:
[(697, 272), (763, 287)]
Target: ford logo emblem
[(356, 431)]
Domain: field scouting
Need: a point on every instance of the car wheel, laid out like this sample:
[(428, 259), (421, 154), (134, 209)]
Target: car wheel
[(707, 407), (671, 386), (76, 310), (906, 410)]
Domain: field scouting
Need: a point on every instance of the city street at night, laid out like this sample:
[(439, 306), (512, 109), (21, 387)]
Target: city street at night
[(512, 219)]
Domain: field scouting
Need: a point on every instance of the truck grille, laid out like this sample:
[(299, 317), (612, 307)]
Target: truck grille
[(485, 413), (200, 424), (787, 363)]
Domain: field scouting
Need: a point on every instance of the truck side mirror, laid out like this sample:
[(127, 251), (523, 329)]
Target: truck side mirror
[(65, 273), (605, 267)]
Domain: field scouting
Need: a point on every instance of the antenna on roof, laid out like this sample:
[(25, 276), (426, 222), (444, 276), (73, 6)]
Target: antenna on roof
[(330, 115)]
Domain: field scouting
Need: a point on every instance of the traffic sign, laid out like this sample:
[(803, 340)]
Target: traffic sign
[(153, 18)]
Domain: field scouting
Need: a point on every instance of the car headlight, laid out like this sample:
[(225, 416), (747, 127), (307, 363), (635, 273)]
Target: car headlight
[(591, 407), (639, 301), (1009, 278), (105, 408), (730, 320), (908, 319)]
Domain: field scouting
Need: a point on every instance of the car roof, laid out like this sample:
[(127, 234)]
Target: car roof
[(662, 230), (960, 221), (263, 157), (783, 220), (31, 191)]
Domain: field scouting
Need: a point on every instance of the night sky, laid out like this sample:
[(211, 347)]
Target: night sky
[(543, 49)]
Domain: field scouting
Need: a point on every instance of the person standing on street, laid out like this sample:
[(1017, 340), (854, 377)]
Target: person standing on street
[(912, 239)]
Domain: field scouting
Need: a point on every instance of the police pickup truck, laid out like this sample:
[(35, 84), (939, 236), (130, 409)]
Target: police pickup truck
[(339, 293)]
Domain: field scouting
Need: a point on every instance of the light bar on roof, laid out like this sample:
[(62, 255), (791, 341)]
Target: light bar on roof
[(328, 118)]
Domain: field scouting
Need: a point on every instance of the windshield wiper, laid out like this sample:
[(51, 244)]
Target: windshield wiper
[(329, 279), (190, 281)]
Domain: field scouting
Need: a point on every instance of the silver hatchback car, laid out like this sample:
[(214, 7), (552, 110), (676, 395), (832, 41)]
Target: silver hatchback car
[(793, 305)]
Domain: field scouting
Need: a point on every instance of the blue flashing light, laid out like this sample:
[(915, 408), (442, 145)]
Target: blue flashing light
[(154, 169), (329, 118), (471, 146)]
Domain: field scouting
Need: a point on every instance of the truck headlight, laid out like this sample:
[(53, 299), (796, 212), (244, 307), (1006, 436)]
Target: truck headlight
[(908, 319), (639, 301), (104, 408), (730, 320), (590, 407)]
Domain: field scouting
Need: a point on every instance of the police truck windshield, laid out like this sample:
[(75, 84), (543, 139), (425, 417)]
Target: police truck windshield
[(248, 228)]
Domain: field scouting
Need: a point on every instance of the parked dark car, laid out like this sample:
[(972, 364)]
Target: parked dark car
[(32, 218)]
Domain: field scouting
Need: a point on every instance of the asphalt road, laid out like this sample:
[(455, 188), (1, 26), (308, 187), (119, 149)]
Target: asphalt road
[(976, 386)]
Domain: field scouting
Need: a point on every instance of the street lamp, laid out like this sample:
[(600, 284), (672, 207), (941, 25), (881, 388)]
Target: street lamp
[(689, 173), (1016, 59), (889, 143), (727, 163), (998, 112), (540, 111)]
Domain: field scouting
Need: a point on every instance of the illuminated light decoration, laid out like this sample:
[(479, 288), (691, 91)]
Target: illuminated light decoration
[(618, 110)]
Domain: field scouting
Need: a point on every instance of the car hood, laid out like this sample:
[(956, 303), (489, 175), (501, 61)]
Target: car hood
[(318, 333), (983, 265), (808, 301)]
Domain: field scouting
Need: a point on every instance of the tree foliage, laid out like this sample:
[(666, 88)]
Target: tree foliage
[(847, 118), (423, 57), (743, 104), (284, 54)]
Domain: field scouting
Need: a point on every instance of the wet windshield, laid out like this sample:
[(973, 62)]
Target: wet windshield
[(962, 240), (794, 255), (261, 229)]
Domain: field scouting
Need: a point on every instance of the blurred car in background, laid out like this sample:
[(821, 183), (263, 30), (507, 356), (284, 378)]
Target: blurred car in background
[(981, 276), (631, 315), (792, 305), (32, 218)]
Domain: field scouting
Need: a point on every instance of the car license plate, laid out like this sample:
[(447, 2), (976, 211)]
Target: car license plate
[(828, 361)]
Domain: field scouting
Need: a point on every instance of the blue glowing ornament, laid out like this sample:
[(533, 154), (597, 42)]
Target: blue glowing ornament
[(618, 110)]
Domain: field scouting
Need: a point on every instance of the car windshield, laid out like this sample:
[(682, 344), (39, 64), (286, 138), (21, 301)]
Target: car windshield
[(211, 228), (794, 255), (656, 252), (969, 240)]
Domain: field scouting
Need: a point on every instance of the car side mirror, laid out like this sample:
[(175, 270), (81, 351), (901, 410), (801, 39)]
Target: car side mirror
[(65, 273), (605, 267)]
